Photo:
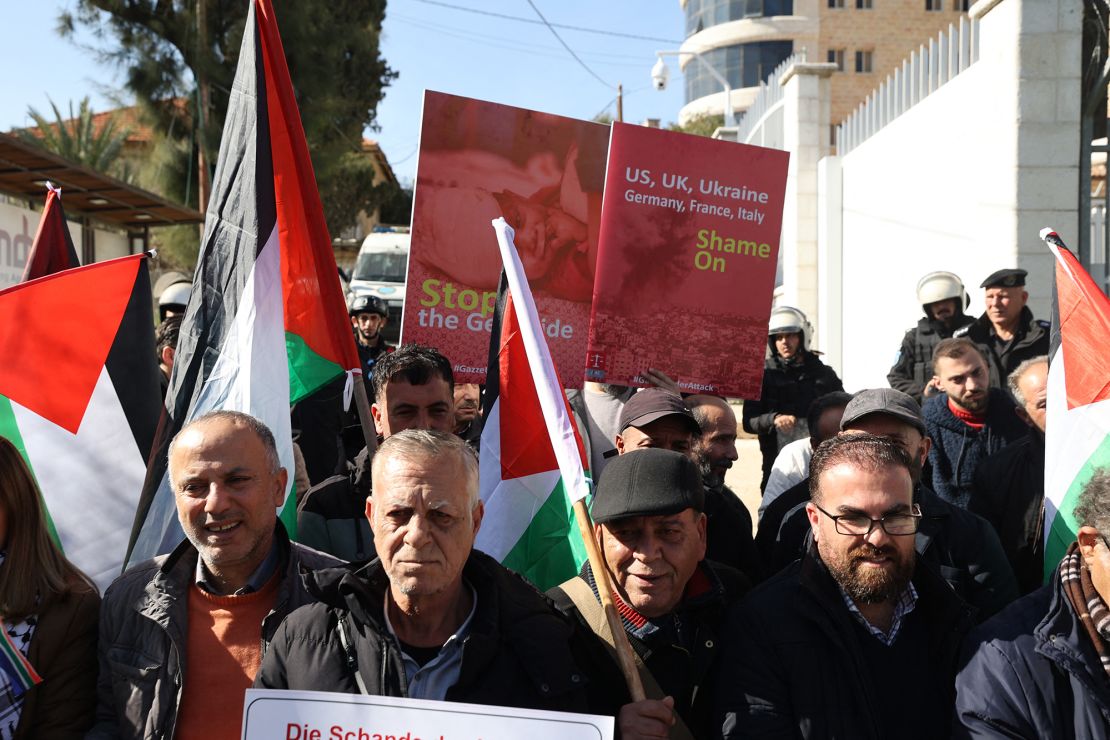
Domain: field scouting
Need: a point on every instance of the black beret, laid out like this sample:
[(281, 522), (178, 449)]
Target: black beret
[(1005, 279), (648, 482)]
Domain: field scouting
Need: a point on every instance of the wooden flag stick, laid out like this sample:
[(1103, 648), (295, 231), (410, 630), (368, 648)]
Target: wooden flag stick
[(362, 403), (605, 592)]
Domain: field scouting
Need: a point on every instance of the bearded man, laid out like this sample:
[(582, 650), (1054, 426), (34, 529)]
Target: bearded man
[(856, 639), (968, 421)]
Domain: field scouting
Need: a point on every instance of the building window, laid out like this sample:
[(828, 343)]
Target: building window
[(934, 4), (836, 56), (743, 65), (864, 62), (836, 3), (961, 5), (863, 4), (703, 14)]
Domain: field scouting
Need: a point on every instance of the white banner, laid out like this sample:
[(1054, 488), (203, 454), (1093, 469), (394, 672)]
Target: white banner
[(270, 714)]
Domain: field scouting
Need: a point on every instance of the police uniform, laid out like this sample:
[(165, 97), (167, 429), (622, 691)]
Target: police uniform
[(913, 369), (368, 356), (1030, 335)]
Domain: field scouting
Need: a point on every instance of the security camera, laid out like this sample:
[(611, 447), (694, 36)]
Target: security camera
[(659, 74)]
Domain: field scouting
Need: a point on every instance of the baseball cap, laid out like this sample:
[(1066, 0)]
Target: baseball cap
[(648, 482), (655, 403), (883, 401)]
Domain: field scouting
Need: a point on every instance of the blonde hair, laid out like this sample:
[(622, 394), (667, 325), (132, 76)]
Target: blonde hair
[(35, 572)]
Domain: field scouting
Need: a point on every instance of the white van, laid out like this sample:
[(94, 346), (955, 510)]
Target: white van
[(380, 270)]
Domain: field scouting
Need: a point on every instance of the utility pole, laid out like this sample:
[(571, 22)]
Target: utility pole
[(620, 102), (203, 185)]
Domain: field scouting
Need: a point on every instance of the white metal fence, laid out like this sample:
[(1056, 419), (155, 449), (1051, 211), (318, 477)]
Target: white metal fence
[(926, 69), (767, 100)]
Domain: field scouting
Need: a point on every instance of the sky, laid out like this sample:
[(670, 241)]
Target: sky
[(433, 44)]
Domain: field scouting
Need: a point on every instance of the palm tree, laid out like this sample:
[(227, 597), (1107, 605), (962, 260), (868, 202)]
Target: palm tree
[(78, 139)]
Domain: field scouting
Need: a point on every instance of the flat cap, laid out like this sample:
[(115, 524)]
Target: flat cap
[(654, 403), (883, 401), (648, 482), (1005, 279)]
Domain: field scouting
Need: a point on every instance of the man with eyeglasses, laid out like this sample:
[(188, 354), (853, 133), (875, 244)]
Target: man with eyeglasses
[(856, 639), (960, 545), (1041, 668)]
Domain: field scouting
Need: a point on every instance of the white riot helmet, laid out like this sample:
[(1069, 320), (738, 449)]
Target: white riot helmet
[(174, 298), (788, 320), (940, 286)]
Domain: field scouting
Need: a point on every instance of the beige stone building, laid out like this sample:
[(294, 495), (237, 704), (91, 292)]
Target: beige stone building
[(746, 39)]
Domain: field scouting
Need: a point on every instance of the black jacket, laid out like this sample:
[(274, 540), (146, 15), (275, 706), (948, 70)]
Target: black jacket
[(788, 388), (913, 369), (142, 637), (332, 515), (520, 651), (958, 449), (1009, 493), (1031, 672), (687, 667), (778, 541), (798, 668), (728, 533), (1030, 340), (962, 547)]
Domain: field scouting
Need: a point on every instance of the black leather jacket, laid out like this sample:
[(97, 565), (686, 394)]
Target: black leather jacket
[(142, 637)]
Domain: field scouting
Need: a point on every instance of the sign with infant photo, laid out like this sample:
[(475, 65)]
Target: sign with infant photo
[(545, 174)]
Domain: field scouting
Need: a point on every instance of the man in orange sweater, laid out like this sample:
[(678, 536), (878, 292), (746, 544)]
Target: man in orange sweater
[(183, 628)]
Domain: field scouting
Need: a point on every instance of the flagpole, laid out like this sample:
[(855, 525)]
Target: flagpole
[(553, 404), (365, 420), (623, 647)]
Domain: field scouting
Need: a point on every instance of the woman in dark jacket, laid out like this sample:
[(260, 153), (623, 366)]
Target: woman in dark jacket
[(49, 610)]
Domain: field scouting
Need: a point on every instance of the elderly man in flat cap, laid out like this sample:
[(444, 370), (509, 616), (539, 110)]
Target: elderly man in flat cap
[(1007, 332), (651, 527), (658, 418)]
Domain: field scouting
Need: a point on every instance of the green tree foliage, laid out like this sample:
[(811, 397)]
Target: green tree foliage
[(333, 53), (78, 139), (703, 124), (397, 207)]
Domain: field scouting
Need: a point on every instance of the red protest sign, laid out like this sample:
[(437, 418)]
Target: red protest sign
[(545, 175), (686, 265)]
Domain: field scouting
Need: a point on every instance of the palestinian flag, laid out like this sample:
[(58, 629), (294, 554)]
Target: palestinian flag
[(18, 672), (266, 324), (532, 459), (1077, 435), (52, 250), (79, 398)]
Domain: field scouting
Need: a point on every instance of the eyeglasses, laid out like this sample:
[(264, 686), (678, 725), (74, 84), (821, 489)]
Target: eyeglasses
[(859, 525)]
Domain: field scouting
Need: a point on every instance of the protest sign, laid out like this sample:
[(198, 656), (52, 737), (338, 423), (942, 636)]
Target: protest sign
[(317, 715), (686, 266), (543, 173)]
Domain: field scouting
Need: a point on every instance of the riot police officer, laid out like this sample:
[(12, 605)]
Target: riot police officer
[(793, 377), (943, 299), (368, 317)]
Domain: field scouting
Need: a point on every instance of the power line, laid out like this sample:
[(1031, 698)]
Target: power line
[(520, 19), (498, 42), (569, 50)]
